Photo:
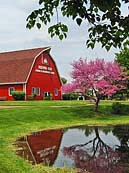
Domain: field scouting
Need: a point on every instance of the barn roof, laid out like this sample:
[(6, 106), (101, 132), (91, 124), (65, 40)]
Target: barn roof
[(15, 66)]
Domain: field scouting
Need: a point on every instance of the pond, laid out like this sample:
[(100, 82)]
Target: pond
[(96, 149)]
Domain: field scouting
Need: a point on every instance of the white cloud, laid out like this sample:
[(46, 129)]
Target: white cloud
[(14, 35)]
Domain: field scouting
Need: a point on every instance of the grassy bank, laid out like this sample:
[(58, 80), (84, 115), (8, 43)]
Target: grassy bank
[(38, 115)]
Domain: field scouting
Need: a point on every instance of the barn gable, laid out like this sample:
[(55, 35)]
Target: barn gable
[(16, 66)]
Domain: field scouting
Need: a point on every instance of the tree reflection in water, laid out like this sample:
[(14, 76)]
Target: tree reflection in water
[(122, 133), (98, 157)]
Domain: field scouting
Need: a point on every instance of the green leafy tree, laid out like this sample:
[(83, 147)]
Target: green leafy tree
[(123, 59), (108, 25)]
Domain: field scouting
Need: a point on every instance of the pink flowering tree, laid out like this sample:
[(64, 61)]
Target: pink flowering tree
[(99, 77)]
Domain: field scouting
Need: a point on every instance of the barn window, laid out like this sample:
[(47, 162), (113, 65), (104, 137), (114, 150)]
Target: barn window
[(44, 60), (33, 91), (46, 94), (38, 91), (11, 90), (56, 92)]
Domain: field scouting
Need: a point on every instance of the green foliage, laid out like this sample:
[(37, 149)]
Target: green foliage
[(79, 21), (116, 108), (31, 97), (119, 109), (123, 58), (70, 96), (108, 25), (64, 81), (120, 95), (18, 95), (66, 96), (58, 29)]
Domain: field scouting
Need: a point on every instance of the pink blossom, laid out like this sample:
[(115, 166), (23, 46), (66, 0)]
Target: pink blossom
[(105, 78), (68, 88)]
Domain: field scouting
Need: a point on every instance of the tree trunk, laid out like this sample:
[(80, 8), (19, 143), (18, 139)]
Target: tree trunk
[(96, 104)]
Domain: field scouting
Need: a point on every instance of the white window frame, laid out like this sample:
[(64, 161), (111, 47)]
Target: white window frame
[(34, 90), (38, 91), (56, 92), (9, 90)]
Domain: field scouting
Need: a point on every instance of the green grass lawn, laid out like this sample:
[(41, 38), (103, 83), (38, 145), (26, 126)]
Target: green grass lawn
[(39, 115)]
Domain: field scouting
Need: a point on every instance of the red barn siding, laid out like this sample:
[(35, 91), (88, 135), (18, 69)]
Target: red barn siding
[(46, 82), (4, 90)]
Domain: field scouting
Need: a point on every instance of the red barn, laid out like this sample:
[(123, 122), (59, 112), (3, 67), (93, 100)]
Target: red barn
[(32, 71)]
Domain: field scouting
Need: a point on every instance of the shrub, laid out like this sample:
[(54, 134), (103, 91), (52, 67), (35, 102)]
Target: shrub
[(70, 96), (31, 97), (66, 96), (73, 96), (118, 108), (18, 95)]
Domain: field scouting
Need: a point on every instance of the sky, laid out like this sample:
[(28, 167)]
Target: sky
[(15, 36)]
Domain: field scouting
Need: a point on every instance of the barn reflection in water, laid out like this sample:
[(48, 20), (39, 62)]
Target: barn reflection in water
[(40, 147)]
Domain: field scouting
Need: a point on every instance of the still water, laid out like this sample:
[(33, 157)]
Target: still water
[(96, 149)]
